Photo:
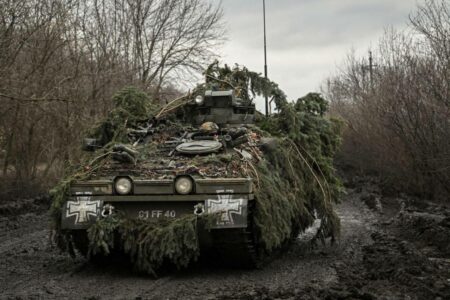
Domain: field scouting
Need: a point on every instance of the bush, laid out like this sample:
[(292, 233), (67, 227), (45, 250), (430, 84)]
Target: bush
[(397, 116)]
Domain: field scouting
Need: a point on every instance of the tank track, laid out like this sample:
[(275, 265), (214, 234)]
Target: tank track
[(238, 247)]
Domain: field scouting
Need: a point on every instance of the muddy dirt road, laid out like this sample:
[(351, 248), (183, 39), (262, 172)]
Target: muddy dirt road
[(390, 248)]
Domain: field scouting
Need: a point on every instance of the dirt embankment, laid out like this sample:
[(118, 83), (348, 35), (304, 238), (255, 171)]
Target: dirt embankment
[(390, 248)]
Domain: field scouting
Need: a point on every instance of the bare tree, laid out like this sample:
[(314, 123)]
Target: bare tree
[(62, 60), (398, 124), (155, 39)]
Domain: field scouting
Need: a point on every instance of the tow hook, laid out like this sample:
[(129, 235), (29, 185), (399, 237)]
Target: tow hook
[(108, 210), (199, 209)]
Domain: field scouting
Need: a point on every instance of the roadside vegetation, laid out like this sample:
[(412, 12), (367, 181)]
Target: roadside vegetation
[(397, 109), (61, 62)]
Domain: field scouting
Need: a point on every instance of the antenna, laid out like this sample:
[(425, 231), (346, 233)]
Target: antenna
[(371, 68), (265, 55)]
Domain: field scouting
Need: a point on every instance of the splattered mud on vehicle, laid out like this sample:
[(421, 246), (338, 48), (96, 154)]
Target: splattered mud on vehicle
[(202, 175)]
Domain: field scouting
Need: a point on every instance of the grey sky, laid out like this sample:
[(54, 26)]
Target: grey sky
[(306, 39)]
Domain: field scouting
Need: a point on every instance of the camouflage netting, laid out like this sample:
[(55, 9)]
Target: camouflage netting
[(131, 108), (301, 170), (294, 179)]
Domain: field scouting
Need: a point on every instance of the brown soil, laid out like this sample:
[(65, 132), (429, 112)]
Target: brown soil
[(396, 249)]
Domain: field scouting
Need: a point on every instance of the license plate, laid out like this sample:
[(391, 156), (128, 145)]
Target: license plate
[(156, 214), (155, 210)]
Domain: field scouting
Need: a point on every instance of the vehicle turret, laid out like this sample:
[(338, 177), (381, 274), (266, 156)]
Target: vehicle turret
[(223, 108)]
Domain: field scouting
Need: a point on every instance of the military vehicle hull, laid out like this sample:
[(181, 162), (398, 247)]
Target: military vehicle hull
[(230, 238)]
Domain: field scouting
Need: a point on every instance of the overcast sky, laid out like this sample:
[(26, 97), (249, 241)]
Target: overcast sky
[(306, 39)]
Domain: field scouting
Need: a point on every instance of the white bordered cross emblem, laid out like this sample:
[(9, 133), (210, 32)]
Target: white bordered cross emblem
[(229, 207), (83, 208)]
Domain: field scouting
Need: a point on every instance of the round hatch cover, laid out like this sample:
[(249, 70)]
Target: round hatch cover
[(199, 147)]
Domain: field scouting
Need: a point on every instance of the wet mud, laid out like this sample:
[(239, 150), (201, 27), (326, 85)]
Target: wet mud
[(390, 248)]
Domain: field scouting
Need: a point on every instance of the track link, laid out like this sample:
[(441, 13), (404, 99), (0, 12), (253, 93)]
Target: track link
[(238, 247)]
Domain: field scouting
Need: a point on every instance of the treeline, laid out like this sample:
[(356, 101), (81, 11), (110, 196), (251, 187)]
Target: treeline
[(62, 60), (397, 108)]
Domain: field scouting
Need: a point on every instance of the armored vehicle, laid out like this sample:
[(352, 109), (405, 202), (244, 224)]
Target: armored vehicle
[(203, 176), (173, 169)]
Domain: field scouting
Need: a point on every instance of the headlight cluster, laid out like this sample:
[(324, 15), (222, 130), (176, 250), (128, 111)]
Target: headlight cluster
[(123, 186), (183, 185)]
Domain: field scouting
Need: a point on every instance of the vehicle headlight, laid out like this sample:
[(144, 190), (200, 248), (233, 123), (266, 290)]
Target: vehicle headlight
[(199, 100), (123, 186), (183, 185)]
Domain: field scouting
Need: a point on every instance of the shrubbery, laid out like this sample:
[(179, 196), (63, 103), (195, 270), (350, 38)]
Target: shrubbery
[(397, 118)]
